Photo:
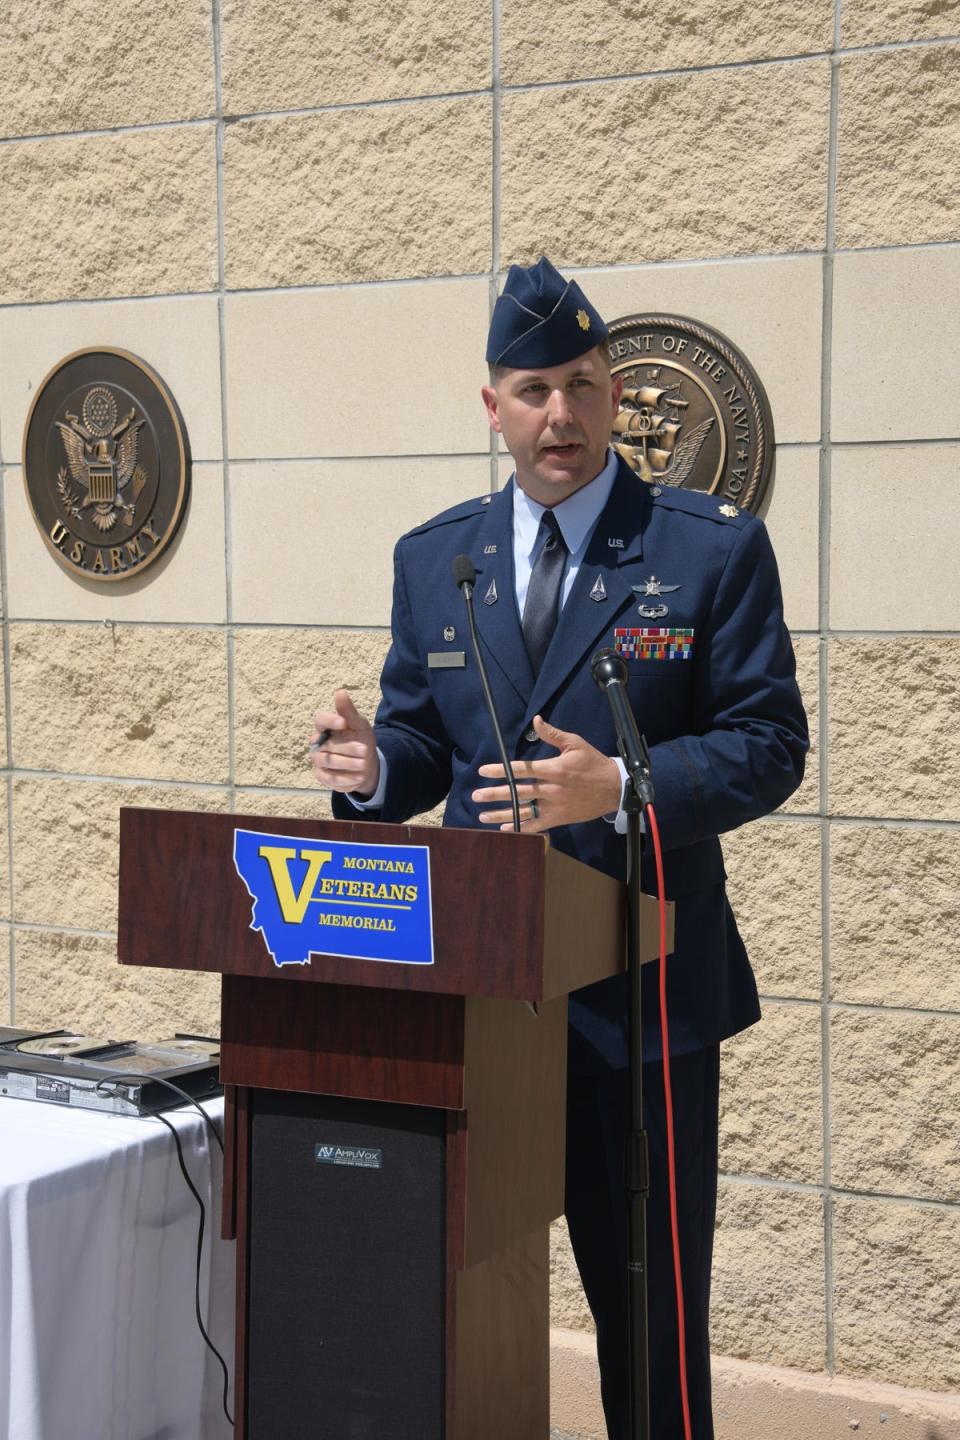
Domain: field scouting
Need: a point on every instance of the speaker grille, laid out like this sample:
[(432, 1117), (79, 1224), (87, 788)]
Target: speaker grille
[(346, 1295)]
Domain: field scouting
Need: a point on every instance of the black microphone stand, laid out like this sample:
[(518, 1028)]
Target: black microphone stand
[(610, 673), (465, 576)]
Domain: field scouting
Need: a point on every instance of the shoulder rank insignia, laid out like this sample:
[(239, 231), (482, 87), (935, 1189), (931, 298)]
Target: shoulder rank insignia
[(730, 510), (653, 642)]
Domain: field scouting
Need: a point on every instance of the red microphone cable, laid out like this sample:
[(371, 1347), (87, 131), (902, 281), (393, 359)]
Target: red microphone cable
[(668, 1099)]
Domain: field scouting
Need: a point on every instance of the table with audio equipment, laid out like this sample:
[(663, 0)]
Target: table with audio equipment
[(98, 1245)]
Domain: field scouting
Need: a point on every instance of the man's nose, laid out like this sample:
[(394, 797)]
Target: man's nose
[(558, 409)]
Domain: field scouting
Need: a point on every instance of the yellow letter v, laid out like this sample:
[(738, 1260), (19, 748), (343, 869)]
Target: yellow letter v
[(294, 907)]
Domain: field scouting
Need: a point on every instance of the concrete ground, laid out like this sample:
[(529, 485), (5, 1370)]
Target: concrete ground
[(760, 1402)]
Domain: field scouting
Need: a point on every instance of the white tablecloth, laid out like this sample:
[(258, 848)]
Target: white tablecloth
[(98, 1231)]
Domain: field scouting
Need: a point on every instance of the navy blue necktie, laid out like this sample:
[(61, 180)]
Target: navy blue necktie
[(543, 593)]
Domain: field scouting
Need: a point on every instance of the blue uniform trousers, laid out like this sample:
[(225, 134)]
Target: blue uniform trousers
[(597, 1122)]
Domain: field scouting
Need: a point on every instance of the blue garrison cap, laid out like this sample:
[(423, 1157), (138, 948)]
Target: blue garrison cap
[(541, 319)]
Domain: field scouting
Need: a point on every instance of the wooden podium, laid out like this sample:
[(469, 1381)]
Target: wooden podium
[(475, 1040)]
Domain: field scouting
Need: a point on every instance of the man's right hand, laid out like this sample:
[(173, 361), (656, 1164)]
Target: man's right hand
[(347, 759)]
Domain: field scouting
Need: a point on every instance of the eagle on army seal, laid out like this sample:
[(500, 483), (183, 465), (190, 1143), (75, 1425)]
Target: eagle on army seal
[(102, 456)]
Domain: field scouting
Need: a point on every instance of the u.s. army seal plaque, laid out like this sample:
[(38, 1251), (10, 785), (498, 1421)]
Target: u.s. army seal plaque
[(693, 411), (106, 463)]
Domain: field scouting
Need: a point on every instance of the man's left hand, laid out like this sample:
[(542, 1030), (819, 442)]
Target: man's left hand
[(578, 784)]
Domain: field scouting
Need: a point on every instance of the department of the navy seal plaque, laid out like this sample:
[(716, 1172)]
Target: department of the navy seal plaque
[(693, 411), (106, 463)]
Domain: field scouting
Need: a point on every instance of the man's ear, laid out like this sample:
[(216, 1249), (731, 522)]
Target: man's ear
[(492, 406), (617, 390)]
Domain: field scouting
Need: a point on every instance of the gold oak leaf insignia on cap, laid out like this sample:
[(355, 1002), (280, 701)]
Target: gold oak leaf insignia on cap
[(730, 510), (583, 320)]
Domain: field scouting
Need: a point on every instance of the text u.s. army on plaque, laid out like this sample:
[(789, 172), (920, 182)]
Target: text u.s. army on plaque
[(106, 463)]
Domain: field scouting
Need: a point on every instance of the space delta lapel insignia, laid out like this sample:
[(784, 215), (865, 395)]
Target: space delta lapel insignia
[(599, 591), (491, 596)]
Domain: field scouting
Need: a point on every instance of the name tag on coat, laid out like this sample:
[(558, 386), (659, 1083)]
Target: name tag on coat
[(446, 659)]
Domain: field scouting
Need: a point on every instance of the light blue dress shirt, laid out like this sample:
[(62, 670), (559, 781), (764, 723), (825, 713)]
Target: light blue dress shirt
[(576, 517)]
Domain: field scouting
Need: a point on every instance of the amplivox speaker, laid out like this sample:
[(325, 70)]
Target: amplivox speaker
[(346, 1281)]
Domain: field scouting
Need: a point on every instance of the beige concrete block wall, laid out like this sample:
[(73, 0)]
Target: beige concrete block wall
[(300, 215), (128, 214)]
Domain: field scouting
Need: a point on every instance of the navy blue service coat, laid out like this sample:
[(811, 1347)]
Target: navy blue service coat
[(726, 727)]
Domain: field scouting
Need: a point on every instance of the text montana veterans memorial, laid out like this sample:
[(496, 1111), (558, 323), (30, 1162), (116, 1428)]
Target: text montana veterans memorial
[(369, 902)]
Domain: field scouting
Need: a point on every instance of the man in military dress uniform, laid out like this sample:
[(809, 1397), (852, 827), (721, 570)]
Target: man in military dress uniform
[(574, 554)]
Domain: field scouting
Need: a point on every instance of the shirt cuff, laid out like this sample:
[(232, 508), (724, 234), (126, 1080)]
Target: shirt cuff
[(377, 798), (618, 819)]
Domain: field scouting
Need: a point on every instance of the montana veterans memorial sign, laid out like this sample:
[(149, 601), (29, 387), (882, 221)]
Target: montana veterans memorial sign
[(332, 897)]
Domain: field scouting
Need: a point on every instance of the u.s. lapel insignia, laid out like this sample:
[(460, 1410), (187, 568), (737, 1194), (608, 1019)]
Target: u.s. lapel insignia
[(449, 633), (653, 612), (654, 587), (489, 549), (615, 542), (491, 596), (599, 591)]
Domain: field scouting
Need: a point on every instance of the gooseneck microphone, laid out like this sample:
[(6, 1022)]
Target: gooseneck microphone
[(465, 575), (609, 670)]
